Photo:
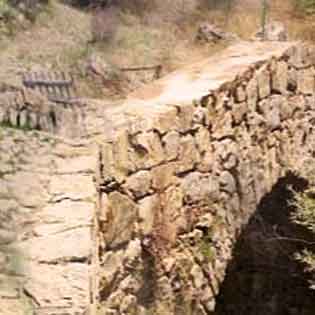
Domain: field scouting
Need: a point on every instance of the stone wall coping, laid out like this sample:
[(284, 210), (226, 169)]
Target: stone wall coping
[(190, 84), (196, 80)]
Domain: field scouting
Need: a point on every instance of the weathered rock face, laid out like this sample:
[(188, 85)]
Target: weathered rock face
[(185, 165), (210, 33), (46, 210)]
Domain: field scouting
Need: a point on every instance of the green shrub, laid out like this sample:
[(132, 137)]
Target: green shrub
[(305, 209), (305, 215), (29, 8), (6, 11), (307, 6)]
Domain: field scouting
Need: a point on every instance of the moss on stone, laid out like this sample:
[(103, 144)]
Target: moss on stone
[(206, 246)]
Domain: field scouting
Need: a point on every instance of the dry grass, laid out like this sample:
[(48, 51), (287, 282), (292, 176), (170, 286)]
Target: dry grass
[(59, 38), (245, 19)]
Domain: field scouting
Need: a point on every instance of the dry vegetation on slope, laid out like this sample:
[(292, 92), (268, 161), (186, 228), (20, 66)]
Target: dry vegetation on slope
[(61, 37)]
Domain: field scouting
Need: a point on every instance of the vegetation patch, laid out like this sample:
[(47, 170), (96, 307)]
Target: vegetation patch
[(206, 246), (17, 15), (26, 127), (304, 215), (307, 6)]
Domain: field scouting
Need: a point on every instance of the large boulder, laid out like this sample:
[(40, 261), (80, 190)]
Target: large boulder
[(211, 33)]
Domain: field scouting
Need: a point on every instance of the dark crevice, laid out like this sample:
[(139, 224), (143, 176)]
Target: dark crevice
[(263, 276), (146, 294), (61, 261), (53, 118), (31, 297)]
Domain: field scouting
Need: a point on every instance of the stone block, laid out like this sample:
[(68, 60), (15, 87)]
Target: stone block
[(227, 182), (78, 164), (203, 140), (163, 176), (200, 117), (185, 117), (263, 81), (45, 249), (148, 209), (117, 158), (292, 80), (222, 126), (120, 215), (24, 119), (198, 188), (139, 184), (271, 109), (280, 77), (27, 188), (171, 145), (165, 120), (33, 120), (58, 289), (207, 162), (188, 154), (64, 215), (252, 94), (301, 56), (240, 94), (148, 150), (13, 116), (239, 111), (305, 81), (74, 187), (286, 111)]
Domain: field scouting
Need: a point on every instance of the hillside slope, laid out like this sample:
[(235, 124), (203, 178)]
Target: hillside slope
[(61, 39)]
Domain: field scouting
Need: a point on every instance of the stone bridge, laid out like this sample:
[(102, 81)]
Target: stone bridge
[(181, 168), (185, 165)]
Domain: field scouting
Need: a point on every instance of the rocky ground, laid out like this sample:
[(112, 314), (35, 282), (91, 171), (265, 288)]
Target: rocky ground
[(47, 204)]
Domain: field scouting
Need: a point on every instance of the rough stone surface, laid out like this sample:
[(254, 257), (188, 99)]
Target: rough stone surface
[(27, 109), (47, 209), (237, 129), (280, 77), (211, 33), (181, 168)]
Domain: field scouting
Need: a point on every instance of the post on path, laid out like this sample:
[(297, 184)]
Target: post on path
[(229, 6), (264, 16)]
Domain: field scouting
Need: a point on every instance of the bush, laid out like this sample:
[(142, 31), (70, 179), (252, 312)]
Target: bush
[(6, 11), (9, 9), (305, 209), (307, 6), (305, 215)]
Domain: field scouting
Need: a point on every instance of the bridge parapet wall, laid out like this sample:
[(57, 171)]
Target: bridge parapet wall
[(27, 109), (184, 164)]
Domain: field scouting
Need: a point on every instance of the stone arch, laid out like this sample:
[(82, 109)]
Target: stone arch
[(263, 276)]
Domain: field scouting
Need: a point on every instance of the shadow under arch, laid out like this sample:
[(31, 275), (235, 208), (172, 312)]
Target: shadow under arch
[(263, 277)]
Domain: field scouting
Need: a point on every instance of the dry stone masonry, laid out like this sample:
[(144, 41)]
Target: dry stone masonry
[(46, 208), (183, 165), (180, 169), (28, 109)]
